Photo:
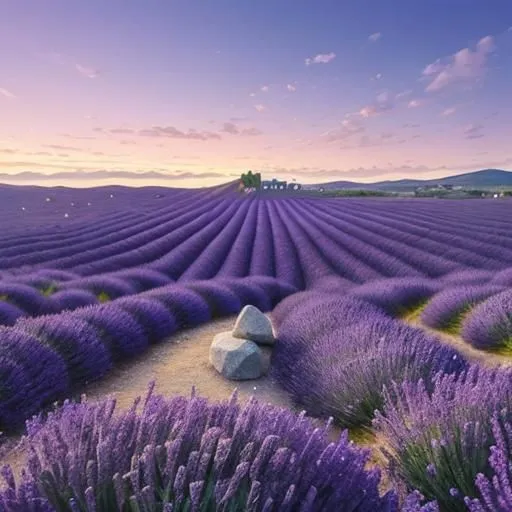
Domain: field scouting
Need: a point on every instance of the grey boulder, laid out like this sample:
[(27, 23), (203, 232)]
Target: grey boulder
[(235, 358), (253, 325)]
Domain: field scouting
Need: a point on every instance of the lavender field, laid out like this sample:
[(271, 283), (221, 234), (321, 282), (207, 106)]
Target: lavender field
[(390, 316)]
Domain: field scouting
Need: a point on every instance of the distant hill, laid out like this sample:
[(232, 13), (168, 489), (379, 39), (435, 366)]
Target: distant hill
[(486, 178)]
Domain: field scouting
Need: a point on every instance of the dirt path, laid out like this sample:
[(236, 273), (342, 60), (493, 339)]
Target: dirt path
[(176, 365), (472, 354)]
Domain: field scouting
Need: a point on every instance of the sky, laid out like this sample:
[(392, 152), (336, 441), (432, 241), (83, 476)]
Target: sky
[(202, 90)]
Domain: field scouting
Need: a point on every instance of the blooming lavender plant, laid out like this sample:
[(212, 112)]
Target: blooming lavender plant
[(489, 325), (439, 441), (187, 454), (447, 308), (78, 343), (9, 313), (117, 329), (396, 296), (72, 299), (31, 376), (342, 372), (25, 297), (496, 490)]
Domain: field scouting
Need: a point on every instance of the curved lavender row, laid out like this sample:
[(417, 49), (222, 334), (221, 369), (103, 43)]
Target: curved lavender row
[(82, 256), (336, 260), (96, 233), (489, 325), (207, 263), (82, 345), (286, 258), (431, 235), (392, 241), (396, 296), (313, 260), (24, 300), (468, 277), (188, 454), (503, 278), (370, 253), (411, 217), (143, 247), (446, 309), (339, 368), (28, 299), (238, 261)]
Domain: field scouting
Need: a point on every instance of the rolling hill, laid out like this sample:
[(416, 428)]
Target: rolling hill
[(486, 178)]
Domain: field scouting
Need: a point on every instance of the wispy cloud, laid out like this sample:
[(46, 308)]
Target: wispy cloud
[(373, 38), (403, 94), (414, 104), (265, 88), (291, 87), (464, 65), (383, 104), (250, 132), (233, 129), (260, 107), (7, 94), (321, 58), (173, 133), (59, 147), (87, 71), (115, 131), (348, 129), (448, 111), (473, 131)]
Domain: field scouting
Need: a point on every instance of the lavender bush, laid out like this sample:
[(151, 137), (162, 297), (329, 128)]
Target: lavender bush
[(73, 299), (187, 454), (447, 308), (188, 307), (156, 320), (342, 372), (439, 441), (396, 296), (86, 356), (31, 376), (489, 325), (26, 298), (117, 329), (9, 313), (496, 491)]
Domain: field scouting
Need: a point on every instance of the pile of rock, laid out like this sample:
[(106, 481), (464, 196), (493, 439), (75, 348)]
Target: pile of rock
[(237, 354)]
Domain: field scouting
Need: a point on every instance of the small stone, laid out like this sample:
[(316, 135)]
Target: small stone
[(235, 358), (253, 325)]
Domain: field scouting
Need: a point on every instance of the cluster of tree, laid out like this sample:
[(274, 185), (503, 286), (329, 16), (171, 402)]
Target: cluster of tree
[(250, 180)]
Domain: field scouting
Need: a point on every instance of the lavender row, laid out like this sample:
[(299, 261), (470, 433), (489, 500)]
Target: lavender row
[(41, 358), (336, 353)]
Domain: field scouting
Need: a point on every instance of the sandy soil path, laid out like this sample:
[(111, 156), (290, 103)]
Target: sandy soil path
[(176, 365)]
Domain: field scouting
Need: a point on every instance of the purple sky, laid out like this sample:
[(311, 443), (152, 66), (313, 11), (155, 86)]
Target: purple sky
[(360, 90)]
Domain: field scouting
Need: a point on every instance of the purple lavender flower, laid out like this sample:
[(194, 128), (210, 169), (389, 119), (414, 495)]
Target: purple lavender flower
[(85, 436), (489, 325)]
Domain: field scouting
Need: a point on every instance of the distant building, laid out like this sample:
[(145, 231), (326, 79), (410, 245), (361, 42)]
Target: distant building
[(273, 184)]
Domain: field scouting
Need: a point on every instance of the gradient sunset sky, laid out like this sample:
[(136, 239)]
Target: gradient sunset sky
[(202, 90)]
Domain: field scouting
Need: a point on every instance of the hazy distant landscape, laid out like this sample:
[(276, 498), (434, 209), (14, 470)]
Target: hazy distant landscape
[(255, 257)]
